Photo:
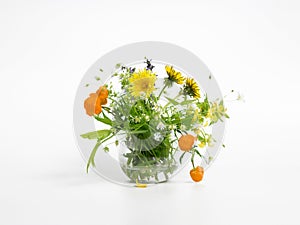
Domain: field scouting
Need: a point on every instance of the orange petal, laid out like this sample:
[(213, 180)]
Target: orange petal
[(92, 104), (186, 142)]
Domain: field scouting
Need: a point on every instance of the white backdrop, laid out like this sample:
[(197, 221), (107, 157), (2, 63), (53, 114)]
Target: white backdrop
[(250, 46)]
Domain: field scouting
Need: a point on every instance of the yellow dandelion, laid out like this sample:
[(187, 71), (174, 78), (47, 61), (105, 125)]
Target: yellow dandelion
[(174, 76), (191, 88), (142, 82)]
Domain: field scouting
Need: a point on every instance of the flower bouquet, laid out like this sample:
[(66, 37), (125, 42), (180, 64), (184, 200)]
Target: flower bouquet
[(157, 121)]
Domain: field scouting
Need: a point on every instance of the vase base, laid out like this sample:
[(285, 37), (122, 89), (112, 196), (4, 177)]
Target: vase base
[(149, 175)]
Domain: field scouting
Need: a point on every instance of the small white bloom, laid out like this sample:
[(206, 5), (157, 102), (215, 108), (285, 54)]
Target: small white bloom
[(147, 118), (157, 109), (137, 119), (240, 97), (172, 127), (165, 114), (182, 127), (158, 136), (160, 126)]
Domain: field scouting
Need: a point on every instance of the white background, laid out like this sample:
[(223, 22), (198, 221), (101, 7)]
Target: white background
[(250, 46)]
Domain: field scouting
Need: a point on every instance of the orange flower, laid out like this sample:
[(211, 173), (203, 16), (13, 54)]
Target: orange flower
[(102, 92), (197, 173), (93, 104), (186, 142)]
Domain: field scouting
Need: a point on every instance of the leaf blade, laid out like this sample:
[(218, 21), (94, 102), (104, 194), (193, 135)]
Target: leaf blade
[(99, 134)]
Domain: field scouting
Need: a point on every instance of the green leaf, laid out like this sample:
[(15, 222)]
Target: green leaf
[(172, 101), (187, 102), (92, 156), (94, 151), (187, 120), (104, 120), (99, 134), (138, 132), (198, 153), (118, 65), (200, 138)]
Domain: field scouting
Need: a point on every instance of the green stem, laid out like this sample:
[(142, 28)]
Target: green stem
[(93, 153), (162, 90), (92, 156), (169, 102), (192, 159)]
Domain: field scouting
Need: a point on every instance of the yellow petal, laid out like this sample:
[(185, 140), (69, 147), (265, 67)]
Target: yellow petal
[(139, 185)]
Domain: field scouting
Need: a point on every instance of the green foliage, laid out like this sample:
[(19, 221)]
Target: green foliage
[(203, 106), (104, 120), (217, 112), (99, 134)]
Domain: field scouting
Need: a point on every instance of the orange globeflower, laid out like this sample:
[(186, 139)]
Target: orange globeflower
[(186, 142), (102, 92), (197, 173), (93, 103)]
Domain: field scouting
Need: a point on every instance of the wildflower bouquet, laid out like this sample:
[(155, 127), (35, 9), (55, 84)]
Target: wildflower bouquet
[(157, 121)]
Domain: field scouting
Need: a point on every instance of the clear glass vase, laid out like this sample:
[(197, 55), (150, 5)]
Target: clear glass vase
[(144, 166)]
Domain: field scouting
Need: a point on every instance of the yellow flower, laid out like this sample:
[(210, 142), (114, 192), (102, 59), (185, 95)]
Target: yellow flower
[(196, 115), (174, 76), (202, 144), (142, 82), (191, 88), (197, 130)]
